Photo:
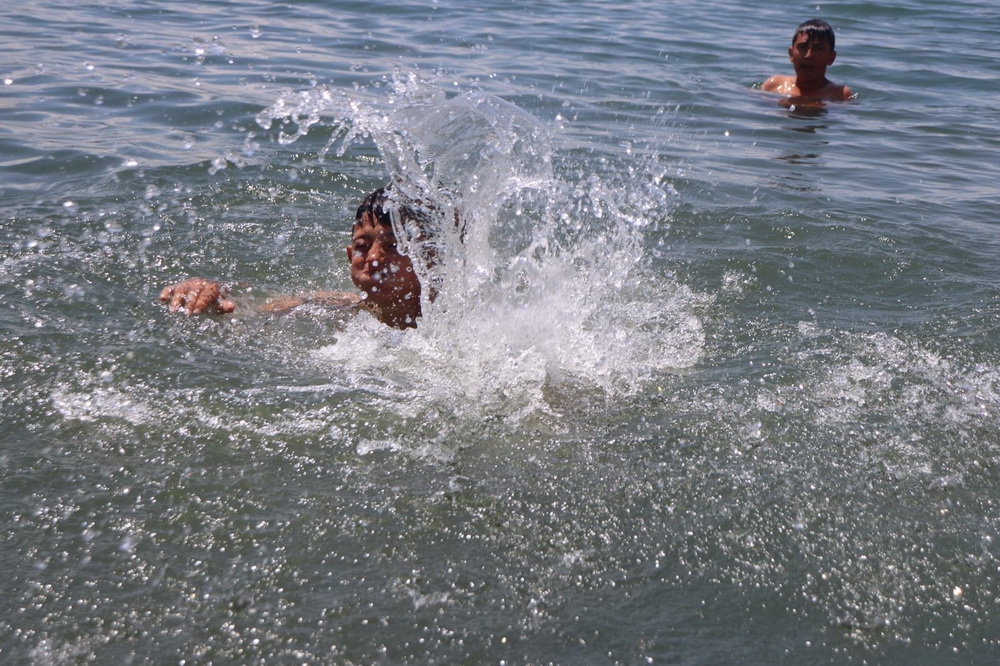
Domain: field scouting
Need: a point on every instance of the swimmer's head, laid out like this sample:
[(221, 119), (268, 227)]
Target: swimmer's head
[(816, 29), (378, 268)]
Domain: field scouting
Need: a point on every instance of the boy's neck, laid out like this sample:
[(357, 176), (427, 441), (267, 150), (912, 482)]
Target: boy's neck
[(403, 315)]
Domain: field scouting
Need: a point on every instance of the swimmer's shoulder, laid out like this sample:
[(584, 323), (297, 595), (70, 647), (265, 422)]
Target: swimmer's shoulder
[(779, 83)]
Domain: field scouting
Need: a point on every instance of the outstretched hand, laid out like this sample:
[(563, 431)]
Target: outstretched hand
[(197, 295)]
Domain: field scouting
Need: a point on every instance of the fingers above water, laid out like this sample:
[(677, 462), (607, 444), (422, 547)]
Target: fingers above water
[(196, 296)]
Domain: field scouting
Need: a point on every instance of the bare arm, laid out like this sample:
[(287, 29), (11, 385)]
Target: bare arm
[(283, 304), (199, 295)]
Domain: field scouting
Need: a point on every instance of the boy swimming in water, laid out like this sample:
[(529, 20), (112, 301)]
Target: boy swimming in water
[(811, 52), (390, 289)]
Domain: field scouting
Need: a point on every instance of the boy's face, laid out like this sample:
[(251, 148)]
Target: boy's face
[(377, 267), (810, 56)]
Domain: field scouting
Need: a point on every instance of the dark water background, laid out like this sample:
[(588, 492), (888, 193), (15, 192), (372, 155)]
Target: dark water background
[(739, 402)]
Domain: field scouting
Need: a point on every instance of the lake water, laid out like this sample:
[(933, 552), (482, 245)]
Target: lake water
[(709, 380)]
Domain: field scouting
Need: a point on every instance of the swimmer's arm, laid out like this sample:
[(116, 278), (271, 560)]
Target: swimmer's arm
[(332, 299), (196, 296)]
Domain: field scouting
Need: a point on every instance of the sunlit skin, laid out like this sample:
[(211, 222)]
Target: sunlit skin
[(197, 295), (390, 288), (386, 277), (810, 56)]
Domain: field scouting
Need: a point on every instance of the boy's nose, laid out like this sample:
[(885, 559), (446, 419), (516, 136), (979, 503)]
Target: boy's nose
[(377, 253)]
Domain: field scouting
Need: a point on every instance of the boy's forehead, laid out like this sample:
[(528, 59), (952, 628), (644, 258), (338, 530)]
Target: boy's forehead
[(809, 37), (369, 222)]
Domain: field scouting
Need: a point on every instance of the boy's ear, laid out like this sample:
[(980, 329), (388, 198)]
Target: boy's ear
[(350, 252)]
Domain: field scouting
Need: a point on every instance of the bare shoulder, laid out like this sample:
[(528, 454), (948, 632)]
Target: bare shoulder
[(778, 83)]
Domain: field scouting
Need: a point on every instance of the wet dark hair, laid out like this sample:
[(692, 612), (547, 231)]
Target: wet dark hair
[(375, 203), (816, 28), (379, 204)]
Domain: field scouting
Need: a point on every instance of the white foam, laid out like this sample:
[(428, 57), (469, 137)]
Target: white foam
[(543, 280)]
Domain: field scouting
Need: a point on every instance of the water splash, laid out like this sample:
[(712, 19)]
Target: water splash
[(541, 275)]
